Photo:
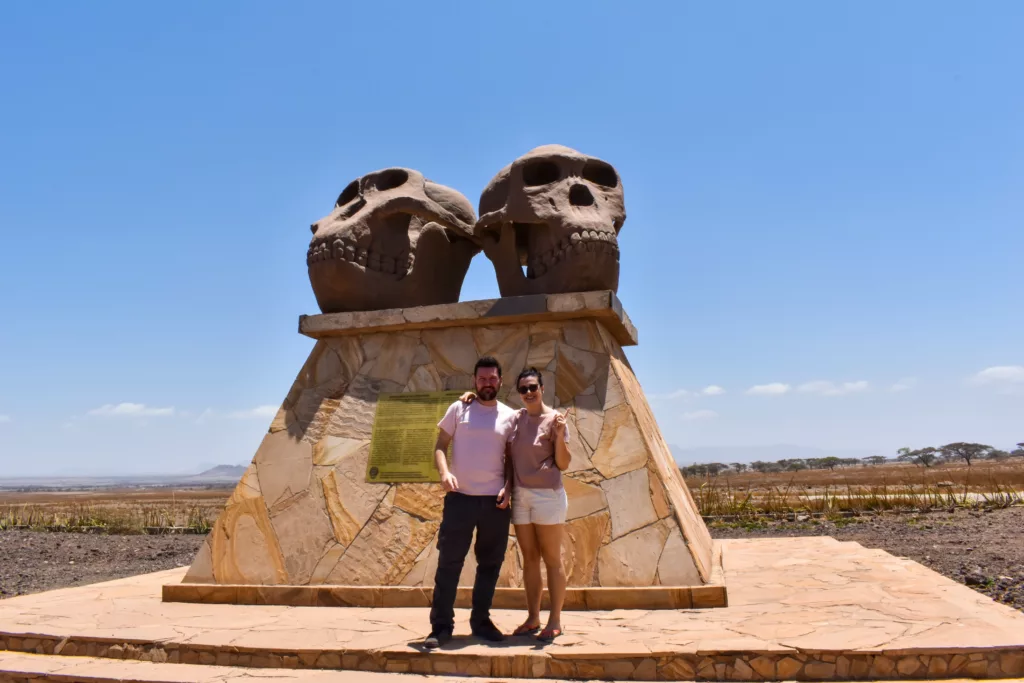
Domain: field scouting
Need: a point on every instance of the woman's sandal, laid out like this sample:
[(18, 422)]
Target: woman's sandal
[(549, 634), (525, 630)]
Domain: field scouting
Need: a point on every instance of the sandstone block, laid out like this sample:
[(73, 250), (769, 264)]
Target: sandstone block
[(424, 378), (629, 500), (633, 559), (584, 499), (248, 486), (353, 418), (452, 350), (244, 547), (384, 551), (787, 668), (425, 501), (583, 538), (284, 465), (589, 419), (540, 354), (509, 345), (331, 450), (201, 570), (576, 370), (583, 335), (621, 447), (676, 567), (394, 361), (303, 531), (350, 498)]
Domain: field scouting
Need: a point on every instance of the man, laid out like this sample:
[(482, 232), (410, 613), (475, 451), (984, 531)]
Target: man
[(479, 487)]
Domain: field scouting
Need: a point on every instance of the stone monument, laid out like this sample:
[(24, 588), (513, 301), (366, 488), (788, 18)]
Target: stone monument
[(321, 517)]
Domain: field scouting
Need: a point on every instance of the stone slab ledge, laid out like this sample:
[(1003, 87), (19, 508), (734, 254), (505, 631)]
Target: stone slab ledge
[(576, 599), (600, 305)]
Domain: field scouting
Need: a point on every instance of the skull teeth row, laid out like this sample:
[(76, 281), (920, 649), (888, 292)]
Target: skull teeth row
[(578, 242), (346, 250)]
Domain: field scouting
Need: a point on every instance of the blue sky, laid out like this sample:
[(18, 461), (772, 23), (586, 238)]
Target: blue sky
[(824, 197)]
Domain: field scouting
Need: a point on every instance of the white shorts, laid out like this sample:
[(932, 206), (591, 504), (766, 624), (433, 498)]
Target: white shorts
[(539, 506)]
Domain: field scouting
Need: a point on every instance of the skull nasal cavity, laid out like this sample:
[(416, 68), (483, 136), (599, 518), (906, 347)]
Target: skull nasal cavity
[(579, 195)]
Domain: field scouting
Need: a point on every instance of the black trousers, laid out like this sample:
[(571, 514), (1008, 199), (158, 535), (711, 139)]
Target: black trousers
[(462, 515)]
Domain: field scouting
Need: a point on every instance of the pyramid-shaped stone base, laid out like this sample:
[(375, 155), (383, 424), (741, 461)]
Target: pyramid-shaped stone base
[(305, 527)]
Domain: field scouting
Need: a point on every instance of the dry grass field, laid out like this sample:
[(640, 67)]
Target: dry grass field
[(851, 490), (113, 510)]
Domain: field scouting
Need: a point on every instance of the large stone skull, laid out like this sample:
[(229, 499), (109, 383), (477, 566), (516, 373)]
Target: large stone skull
[(549, 222), (394, 239)]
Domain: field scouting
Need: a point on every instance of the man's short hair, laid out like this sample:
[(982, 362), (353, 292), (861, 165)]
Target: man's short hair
[(487, 362)]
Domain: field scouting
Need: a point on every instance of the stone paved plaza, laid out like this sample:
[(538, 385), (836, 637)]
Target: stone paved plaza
[(800, 609)]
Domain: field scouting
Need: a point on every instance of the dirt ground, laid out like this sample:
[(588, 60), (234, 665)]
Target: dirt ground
[(985, 550)]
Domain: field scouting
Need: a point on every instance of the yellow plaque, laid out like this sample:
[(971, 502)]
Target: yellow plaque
[(404, 434)]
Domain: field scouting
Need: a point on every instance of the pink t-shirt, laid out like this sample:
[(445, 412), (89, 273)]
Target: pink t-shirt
[(479, 434), (533, 451)]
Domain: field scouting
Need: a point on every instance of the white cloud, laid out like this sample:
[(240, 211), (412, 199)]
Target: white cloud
[(1000, 374), (700, 415), (130, 410), (5, 418), (774, 389), (712, 390), (825, 388), (904, 384), (257, 412)]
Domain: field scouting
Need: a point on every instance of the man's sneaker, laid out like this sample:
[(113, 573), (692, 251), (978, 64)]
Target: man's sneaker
[(488, 631), (437, 638)]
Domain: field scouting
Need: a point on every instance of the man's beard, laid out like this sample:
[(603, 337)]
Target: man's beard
[(487, 393)]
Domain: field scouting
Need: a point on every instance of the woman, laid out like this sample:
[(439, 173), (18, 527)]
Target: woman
[(539, 504)]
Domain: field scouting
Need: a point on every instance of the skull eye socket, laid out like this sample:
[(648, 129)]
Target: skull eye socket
[(350, 192), (601, 173), (540, 173), (390, 179)]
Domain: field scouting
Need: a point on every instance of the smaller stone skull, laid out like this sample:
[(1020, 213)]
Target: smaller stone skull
[(394, 239), (549, 223)]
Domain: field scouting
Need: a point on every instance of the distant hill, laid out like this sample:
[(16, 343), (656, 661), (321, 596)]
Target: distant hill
[(748, 454), (223, 472)]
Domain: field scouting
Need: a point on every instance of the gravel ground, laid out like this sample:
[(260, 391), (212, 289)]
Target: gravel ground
[(32, 561), (985, 550)]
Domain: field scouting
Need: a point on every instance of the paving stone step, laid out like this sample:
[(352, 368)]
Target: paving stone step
[(17, 667)]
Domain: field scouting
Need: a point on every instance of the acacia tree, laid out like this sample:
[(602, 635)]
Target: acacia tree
[(830, 462), (738, 466), (714, 468), (925, 457), (875, 460), (1019, 451), (966, 451)]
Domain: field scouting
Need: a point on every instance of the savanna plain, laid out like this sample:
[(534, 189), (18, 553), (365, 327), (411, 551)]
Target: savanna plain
[(965, 522)]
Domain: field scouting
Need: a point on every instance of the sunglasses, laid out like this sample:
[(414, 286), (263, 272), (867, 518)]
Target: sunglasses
[(529, 388)]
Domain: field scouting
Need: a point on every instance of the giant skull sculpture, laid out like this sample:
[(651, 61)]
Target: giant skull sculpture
[(394, 239), (557, 213)]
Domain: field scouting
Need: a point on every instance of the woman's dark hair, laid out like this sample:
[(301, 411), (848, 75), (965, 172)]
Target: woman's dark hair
[(530, 372)]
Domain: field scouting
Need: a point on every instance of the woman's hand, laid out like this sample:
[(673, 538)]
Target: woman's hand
[(468, 397), (559, 426)]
